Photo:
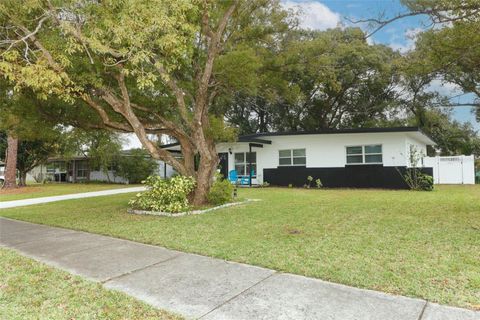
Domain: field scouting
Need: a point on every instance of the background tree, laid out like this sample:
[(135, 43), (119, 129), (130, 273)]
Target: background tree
[(320, 80), (30, 154), (135, 165), (449, 49), (101, 147), (10, 181), (35, 137)]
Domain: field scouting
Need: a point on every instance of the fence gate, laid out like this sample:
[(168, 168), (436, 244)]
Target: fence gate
[(452, 170)]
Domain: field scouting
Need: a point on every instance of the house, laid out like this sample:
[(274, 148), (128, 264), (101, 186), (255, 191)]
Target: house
[(350, 158), (80, 169)]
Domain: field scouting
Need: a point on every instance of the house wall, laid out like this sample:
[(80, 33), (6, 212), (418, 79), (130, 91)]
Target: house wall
[(420, 148), (109, 177), (324, 151)]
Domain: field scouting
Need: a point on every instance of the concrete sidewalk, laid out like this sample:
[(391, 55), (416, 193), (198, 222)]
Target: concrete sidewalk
[(201, 287), (29, 202)]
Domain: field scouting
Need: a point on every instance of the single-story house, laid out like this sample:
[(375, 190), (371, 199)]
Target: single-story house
[(356, 158), (79, 169)]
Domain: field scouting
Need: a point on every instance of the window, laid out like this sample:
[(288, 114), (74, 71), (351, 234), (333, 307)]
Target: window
[(293, 157), (56, 167), (369, 154), (242, 162), (82, 169)]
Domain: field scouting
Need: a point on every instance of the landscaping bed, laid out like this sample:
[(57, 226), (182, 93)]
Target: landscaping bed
[(190, 212)]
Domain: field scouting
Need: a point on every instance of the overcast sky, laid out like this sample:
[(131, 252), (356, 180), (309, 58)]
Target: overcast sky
[(324, 14)]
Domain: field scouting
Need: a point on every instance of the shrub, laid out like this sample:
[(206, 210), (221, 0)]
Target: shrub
[(418, 180), (414, 177), (167, 195), (319, 183), (221, 192), (426, 182)]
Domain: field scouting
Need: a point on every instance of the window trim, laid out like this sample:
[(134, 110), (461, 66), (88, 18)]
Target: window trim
[(292, 157), (363, 163), (245, 163), (85, 170)]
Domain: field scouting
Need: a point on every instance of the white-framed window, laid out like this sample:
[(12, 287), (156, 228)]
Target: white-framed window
[(292, 157), (366, 154), (242, 162), (82, 169)]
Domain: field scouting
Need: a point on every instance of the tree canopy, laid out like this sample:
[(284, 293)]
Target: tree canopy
[(147, 67)]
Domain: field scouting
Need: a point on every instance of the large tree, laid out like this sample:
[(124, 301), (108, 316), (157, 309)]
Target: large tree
[(147, 67), (449, 49), (320, 79)]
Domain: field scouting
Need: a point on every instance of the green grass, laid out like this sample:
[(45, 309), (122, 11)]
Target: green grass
[(55, 189), (32, 290), (418, 244)]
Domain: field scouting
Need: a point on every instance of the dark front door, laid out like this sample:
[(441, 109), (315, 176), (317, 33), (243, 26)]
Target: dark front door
[(223, 165)]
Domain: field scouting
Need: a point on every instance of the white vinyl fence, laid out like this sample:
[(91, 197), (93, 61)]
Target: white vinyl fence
[(452, 170)]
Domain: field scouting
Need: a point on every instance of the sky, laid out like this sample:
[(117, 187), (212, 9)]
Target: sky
[(325, 14)]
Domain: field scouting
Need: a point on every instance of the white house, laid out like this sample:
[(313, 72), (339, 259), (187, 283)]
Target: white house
[(373, 157), (78, 169)]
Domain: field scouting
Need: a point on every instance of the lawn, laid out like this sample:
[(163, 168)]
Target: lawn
[(55, 189), (418, 244), (32, 290)]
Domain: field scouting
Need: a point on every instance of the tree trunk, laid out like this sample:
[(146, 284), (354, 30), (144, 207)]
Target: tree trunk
[(205, 174), (22, 180), (11, 163)]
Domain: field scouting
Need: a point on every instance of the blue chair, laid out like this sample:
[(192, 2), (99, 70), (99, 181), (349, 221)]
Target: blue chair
[(245, 180), (233, 176)]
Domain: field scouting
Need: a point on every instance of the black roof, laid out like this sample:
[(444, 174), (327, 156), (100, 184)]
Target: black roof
[(332, 131), (256, 137)]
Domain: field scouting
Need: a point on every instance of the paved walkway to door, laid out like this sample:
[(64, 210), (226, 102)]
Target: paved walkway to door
[(202, 287), (29, 202)]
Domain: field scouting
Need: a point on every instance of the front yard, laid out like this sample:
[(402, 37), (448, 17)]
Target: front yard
[(55, 189), (32, 290), (418, 244)]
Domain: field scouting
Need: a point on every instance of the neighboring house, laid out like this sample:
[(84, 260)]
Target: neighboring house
[(78, 169), (356, 158)]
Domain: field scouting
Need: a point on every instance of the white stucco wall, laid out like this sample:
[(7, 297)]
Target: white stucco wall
[(420, 148), (325, 150), (101, 176)]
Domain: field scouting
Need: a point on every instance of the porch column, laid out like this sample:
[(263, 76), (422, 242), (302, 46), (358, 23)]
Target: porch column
[(250, 164)]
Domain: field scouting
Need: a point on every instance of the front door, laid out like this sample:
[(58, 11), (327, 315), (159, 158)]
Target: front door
[(223, 164)]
